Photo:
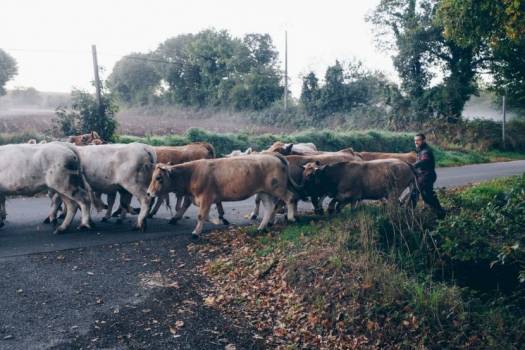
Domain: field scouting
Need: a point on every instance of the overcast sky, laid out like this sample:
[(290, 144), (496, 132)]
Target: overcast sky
[(51, 39)]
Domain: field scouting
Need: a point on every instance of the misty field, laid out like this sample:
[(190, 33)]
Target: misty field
[(137, 121)]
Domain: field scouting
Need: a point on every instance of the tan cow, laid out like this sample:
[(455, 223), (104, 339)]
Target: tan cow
[(210, 181), (349, 182), (409, 157), (172, 155), (85, 139)]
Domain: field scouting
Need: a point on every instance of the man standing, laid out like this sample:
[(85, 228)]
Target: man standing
[(425, 167)]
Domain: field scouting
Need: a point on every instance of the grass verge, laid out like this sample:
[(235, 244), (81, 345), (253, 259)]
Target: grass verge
[(379, 276)]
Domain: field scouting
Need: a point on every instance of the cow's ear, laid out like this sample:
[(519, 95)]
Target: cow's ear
[(288, 148), (318, 163), (249, 150)]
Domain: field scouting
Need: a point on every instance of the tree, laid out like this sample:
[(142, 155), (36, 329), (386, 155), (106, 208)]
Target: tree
[(496, 28), (135, 79), (310, 93), (85, 116), (8, 69), (412, 29), (212, 68)]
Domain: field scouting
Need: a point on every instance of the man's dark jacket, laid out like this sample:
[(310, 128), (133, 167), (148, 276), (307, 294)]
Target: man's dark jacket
[(425, 163)]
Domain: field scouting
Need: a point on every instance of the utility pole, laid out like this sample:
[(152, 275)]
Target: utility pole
[(97, 78), (285, 70), (504, 110)]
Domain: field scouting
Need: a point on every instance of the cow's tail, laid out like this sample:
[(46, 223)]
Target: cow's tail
[(414, 174), (292, 185), (80, 173)]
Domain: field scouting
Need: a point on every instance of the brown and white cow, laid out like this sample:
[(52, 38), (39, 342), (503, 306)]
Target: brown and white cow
[(293, 148), (172, 155), (409, 157), (350, 182), (28, 169), (209, 181)]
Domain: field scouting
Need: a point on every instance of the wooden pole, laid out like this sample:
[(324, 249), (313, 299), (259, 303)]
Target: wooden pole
[(504, 108), (97, 78), (285, 70)]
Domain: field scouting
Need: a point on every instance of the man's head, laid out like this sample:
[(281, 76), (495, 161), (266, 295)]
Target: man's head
[(419, 140)]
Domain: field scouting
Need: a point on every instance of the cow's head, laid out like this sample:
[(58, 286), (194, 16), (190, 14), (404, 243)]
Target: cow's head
[(280, 147), (312, 170), (159, 179)]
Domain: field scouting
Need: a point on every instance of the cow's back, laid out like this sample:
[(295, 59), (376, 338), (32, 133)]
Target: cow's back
[(107, 167), (238, 177), (24, 167)]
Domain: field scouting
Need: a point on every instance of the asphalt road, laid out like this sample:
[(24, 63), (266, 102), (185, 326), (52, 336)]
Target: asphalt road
[(24, 232)]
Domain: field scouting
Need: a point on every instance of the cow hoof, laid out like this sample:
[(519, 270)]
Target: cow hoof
[(150, 216), (58, 231), (83, 228), (116, 213), (47, 221), (253, 217), (173, 221), (135, 211), (224, 221), (194, 236), (105, 219)]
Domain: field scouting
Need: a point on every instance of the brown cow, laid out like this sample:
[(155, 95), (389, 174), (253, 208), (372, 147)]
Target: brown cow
[(349, 182), (210, 181), (296, 164), (85, 139), (409, 157), (173, 155)]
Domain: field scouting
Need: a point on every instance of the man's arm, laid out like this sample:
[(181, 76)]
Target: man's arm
[(424, 161)]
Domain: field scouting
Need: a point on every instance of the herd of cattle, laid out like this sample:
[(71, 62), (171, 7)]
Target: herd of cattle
[(78, 172)]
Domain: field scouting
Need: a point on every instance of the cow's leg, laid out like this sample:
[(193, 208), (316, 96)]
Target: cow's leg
[(145, 202), (125, 200), (3, 213), (220, 210), (111, 201), (331, 206), (156, 207), (185, 205), (269, 210), (71, 209), (341, 204), (56, 202), (317, 202), (255, 212), (99, 204), (204, 211), (178, 205), (291, 205)]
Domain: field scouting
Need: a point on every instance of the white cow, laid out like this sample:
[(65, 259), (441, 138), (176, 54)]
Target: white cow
[(238, 153), (126, 168), (28, 169)]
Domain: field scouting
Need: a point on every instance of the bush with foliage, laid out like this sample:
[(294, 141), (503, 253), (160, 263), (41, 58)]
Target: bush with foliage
[(86, 115)]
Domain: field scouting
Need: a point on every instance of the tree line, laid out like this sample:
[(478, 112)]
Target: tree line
[(442, 50)]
